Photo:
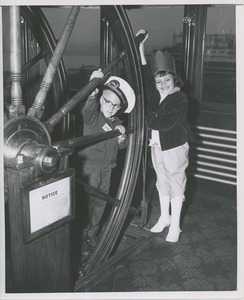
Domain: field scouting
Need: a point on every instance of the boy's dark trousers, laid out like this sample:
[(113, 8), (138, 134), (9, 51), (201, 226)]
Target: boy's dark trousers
[(91, 206)]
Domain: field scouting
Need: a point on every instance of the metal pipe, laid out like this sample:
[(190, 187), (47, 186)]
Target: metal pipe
[(214, 129), (105, 39), (190, 22), (16, 108), (216, 151), (221, 139), (36, 109), (214, 179), (215, 166), (88, 139), (217, 144), (216, 158), (28, 65), (215, 172), (81, 95), (216, 137)]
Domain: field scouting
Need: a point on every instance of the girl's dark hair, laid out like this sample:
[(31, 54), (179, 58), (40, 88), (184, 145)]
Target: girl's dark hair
[(177, 80)]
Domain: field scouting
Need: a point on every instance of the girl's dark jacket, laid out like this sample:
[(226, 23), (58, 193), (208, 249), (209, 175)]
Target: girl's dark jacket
[(169, 117)]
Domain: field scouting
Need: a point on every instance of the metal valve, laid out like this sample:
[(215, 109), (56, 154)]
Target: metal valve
[(26, 137)]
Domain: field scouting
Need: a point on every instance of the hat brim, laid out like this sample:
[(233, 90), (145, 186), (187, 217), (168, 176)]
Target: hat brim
[(118, 92)]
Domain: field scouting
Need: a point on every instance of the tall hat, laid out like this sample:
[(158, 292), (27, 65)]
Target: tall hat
[(162, 61), (123, 90)]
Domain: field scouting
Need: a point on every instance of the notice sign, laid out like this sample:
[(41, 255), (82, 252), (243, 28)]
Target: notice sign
[(49, 203)]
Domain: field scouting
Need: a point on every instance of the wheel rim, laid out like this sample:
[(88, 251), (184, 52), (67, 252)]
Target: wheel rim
[(120, 24), (124, 37)]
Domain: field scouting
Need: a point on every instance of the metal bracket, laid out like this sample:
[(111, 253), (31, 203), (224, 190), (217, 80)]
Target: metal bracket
[(190, 20)]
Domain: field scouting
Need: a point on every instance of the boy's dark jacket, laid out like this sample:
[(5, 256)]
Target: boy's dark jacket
[(104, 152)]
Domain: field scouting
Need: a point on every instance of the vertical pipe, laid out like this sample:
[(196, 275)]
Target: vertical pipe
[(106, 41), (16, 108), (200, 35), (104, 59), (189, 20)]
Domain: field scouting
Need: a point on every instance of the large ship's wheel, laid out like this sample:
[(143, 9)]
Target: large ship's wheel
[(43, 125)]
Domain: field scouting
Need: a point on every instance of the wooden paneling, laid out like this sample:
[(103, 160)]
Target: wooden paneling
[(43, 264)]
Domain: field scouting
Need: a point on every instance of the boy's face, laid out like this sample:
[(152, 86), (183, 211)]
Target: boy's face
[(109, 103), (164, 84)]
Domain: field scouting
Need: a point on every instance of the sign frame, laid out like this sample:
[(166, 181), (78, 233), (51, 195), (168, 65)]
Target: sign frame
[(42, 182)]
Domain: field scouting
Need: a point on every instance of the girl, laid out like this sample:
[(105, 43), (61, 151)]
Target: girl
[(169, 133)]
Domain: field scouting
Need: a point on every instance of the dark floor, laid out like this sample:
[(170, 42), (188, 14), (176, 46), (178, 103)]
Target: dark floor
[(204, 259)]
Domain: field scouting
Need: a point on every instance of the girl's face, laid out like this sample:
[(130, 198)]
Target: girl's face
[(164, 84)]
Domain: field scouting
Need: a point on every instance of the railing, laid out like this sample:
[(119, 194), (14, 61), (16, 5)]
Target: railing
[(213, 155)]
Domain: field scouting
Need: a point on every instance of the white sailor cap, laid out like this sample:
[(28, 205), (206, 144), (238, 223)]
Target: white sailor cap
[(123, 90)]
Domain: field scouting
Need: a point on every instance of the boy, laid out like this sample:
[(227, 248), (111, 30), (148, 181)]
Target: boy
[(97, 161)]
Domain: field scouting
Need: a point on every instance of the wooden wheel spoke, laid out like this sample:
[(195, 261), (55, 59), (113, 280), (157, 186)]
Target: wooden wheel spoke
[(99, 194), (89, 139), (81, 95), (36, 109)]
